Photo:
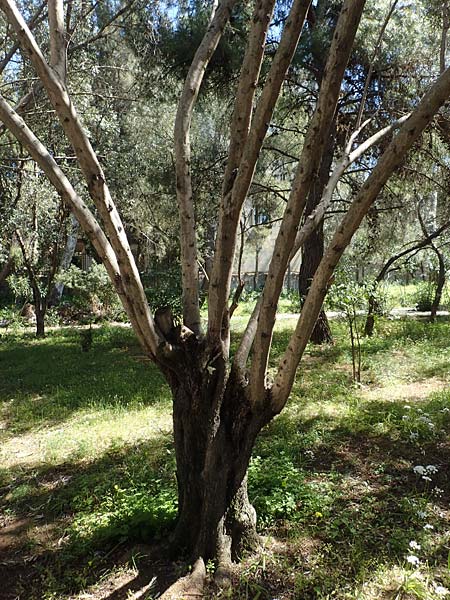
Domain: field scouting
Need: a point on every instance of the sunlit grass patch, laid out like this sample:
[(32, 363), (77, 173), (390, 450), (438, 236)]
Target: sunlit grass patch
[(402, 583), (85, 435), (59, 402), (46, 381)]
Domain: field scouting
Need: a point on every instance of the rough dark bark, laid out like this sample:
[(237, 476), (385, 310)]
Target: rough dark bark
[(312, 252), (370, 319), (312, 255), (440, 283), (214, 432), (40, 310)]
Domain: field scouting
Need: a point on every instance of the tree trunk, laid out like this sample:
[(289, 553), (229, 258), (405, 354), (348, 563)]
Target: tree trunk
[(370, 319), (439, 286), (312, 252), (40, 321), (214, 433), (40, 308)]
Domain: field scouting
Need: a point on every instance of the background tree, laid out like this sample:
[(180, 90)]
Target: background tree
[(37, 224)]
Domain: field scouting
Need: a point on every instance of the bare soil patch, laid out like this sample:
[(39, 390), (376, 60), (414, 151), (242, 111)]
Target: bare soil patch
[(409, 392)]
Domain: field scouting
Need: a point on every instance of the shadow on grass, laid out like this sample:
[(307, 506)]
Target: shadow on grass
[(78, 521), (45, 381), (343, 495), (347, 489), (340, 492)]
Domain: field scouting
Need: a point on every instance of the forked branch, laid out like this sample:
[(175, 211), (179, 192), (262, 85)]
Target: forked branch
[(245, 94), (232, 201), (308, 165), (347, 159)]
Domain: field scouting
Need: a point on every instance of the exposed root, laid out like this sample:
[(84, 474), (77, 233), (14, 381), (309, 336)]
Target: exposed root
[(222, 576), (190, 586)]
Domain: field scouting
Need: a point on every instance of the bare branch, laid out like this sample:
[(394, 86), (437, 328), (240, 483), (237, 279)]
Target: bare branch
[(232, 202), (28, 98), (103, 31), (390, 160), (191, 306), (309, 163), (237, 296), (37, 18), (58, 56), (418, 245), (248, 81), (243, 351), (348, 158)]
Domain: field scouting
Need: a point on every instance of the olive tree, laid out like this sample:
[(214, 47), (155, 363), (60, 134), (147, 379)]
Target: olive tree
[(220, 402)]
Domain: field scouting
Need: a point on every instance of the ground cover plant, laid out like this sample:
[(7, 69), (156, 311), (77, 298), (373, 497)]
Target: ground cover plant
[(350, 483)]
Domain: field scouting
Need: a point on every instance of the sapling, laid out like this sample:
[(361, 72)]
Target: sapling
[(351, 298)]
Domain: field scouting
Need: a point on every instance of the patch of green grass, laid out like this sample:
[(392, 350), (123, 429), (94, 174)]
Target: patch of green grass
[(45, 381), (86, 448), (337, 469)]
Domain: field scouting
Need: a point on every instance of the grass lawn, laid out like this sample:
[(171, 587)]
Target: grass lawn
[(351, 483)]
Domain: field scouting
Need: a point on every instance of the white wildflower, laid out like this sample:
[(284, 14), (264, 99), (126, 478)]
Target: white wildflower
[(419, 470), (414, 545), (440, 590), (413, 560), (424, 472), (428, 526)]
